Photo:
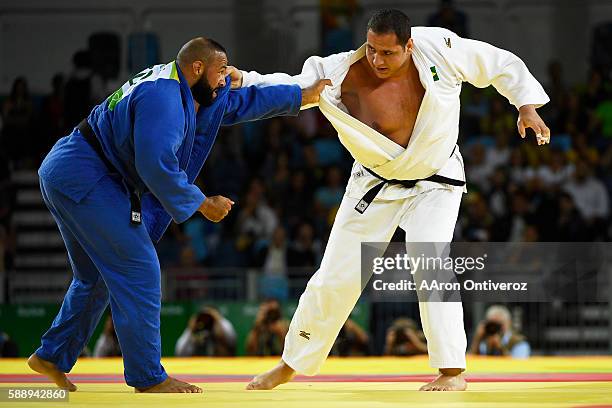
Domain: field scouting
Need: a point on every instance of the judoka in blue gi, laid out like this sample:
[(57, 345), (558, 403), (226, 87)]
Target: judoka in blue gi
[(114, 185)]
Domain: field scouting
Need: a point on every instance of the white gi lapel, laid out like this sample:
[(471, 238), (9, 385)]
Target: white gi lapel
[(368, 146), (401, 167)]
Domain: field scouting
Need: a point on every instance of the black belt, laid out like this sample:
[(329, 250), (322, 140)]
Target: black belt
[(369, 196), (90, 136)]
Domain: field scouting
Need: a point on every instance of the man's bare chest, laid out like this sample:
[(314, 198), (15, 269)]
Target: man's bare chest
[(389, 107)]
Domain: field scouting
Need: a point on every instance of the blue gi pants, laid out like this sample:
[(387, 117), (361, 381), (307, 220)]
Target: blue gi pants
[(112, 260)]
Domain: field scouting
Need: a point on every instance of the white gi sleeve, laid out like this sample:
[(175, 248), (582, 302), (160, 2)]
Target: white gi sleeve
[(482, 64), (314, 68)]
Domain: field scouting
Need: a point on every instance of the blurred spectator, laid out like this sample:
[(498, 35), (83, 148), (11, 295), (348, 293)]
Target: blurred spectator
[(256, 220), (474, 111), (591, 198), (202, 236), (595, 92), (403, 339), (500, 120), (8, 347), (208, 333), (521, 173), (280, 181), (352, 341), (449, 17), (556, 90), (494, 336), (520, 218), (188, 257), (274, 255), (328, 148), (582, 148), (499, 154), (499, 193), (84, 89), (476, 221), (479, 170), (273, 283), (53, 113), (17, 117), (557, 171), (314, 172), (267, 338), (107, 344), (276, 143), (573, 115), (299, 198), (225, 170), (304, 250), (330, 195), (570, 226)]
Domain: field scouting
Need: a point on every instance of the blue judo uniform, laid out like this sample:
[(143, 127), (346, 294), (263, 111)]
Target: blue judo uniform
[(150, 133)]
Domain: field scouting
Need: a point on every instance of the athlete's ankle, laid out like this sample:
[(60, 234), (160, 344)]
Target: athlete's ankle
[(451, 371)]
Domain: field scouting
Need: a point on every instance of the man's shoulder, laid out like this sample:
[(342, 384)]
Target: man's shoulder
[(160, 90), (430, 32), (356, 71), (160, 85), (437, 44), (434, 38)]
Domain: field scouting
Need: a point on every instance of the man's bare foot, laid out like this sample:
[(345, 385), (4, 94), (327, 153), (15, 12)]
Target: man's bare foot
[(448, 380), (280, 374), (50, 370), (171, 385)]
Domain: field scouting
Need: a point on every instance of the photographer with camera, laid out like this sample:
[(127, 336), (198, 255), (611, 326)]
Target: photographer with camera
[(494, 336), (267, 338), (352, 341), (208, 333), (107, 344), (403, 339)]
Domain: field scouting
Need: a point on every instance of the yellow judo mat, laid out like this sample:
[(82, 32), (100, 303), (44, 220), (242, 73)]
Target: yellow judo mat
[(343, 382)]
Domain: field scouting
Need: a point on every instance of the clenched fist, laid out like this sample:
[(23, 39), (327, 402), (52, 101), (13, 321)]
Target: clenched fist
[(216, 208)]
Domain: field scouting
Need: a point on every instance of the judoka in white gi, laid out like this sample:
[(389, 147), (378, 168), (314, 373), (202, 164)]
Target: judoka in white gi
[(397, 112)]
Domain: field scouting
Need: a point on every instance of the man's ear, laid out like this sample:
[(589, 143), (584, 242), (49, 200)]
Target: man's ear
[(409, 45), (198, 68)]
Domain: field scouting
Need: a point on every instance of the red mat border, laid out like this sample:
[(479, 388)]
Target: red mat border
[(208, 378)]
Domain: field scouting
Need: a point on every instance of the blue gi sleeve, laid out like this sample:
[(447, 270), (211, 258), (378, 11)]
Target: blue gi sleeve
[(253, 103), (159, 122)]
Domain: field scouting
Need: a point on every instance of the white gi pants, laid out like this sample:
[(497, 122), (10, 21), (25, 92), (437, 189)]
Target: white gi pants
[(334, 289)]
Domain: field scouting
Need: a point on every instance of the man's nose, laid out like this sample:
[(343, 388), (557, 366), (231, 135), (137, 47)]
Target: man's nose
[(378, 60)]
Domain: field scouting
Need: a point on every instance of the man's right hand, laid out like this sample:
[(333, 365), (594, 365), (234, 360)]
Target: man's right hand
[(216, 208), (312, 94)]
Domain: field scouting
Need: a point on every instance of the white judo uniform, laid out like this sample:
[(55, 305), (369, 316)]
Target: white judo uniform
[(427, 212)]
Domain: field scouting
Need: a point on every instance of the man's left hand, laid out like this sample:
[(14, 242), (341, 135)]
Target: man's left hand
[(529, 118)]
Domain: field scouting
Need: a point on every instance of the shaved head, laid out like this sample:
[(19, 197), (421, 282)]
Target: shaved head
[(199, 49), (203, 62)]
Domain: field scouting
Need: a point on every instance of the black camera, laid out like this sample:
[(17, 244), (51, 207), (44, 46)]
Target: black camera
[(492, 328), (204, 322), (272, 315)]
